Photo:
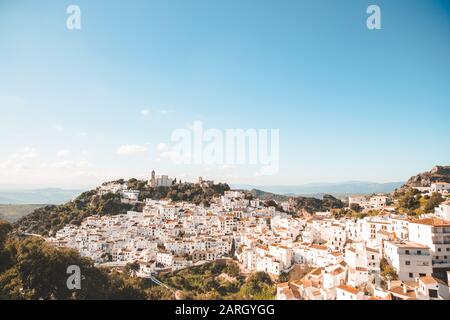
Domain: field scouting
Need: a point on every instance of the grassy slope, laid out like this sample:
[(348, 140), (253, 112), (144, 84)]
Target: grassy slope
[(12, 212)]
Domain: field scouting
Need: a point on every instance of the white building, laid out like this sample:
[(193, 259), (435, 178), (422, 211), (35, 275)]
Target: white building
[(269, 264), (378, 201), (435, 234), (165, 258), (233, 194), (159, 181), (400, 227), (440, 187), (409, 259), (443, 211), (431, 288), (345, 292), (359, 200), (111, 187), (282, 254), (130, 195)]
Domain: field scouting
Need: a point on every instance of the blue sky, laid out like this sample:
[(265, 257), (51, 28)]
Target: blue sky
[(350, 103)]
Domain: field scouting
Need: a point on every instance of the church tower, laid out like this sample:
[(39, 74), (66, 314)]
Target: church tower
[(152, 181)]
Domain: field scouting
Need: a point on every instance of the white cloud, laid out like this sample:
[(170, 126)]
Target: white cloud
[(228, 167), (164, 111), (20, 160), (62, 153), (161, 147), (6, 164), (173, 156), (85, 153), (71, 164), (166, 152), (82, 134), (14, 165), (131, 149), (28, 167), (145, 113), (58, 128), (25, 153)]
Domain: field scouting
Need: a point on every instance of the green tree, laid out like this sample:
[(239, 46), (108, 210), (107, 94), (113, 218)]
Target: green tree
[(132, 268), (284, 277), (5, 260), (409, 201), (435, 200), (356, 207), (258, 287), (5, 229), (388, 272)]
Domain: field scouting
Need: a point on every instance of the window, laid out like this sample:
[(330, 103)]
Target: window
[(439, 249), (406, 251), (422, 274), (407, 262), (419, 252), (411, 275), (432, 293)]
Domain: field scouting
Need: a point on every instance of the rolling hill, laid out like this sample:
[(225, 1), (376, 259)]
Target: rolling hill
[(37, 196), (13, 212), (336, 189)]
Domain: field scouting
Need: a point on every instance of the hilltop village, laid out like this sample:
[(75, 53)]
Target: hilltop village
[(383, 254)]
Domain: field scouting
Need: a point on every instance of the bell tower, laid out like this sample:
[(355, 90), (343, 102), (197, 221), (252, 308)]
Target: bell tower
[(152, 181)]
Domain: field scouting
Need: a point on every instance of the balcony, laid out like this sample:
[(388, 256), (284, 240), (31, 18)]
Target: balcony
[(440, 240), (417, 254), (441, 262), (440, 230)]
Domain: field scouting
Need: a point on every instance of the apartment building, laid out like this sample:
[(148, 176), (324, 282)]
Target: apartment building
[(435, 234), (411, 260), (443, 211)]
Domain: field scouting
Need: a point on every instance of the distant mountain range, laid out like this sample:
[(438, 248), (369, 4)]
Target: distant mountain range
[(37, 196), (336, 189)]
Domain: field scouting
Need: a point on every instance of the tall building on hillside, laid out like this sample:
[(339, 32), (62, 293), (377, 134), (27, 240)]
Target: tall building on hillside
[(159, 181), (205, 183), (152, 181), (435, 234)]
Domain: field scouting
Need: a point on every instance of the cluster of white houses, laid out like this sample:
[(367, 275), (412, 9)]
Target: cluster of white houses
[(366, 202), (439, 187), (418, 250), (344, 254)]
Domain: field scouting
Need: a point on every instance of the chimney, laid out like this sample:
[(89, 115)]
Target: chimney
[(405, 289)]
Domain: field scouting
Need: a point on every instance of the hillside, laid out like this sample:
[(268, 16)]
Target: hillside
[(411, 201), (263, 195), (437, 174), (310, 204), (31, 269), (47, 220), (220, 280), (338, 189), (12, 213)]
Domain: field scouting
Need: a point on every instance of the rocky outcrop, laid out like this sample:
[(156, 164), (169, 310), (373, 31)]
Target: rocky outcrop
[(437, 174)]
